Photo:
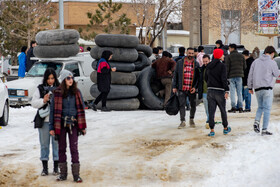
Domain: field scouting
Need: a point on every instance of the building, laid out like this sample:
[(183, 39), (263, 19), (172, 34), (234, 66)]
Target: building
[(208, 21)]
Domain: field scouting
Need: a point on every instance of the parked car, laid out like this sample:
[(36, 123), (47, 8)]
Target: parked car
[(21, 90), (5, 64), (4, 104)]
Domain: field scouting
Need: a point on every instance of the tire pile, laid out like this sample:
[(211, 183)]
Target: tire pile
[(128, 58), (57, 43)]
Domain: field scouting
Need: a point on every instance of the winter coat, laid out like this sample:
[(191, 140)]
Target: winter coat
[(249, 62), (103, 76), (262, 72), (216, 75), (22, 64), (202, 85), (29, 63), (178, 78), (162, 66), (236, 64), (200, 58), (179, 58)]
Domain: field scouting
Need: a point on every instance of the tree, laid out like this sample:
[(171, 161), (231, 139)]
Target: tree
[(152, 17), (21, 20), (107, 17), (235, 16)]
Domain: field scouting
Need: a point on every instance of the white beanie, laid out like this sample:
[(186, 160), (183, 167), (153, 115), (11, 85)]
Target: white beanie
[(64, 74)]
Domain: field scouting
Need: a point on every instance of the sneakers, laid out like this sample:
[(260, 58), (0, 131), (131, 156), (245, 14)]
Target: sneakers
[(232, 110), (188, 108), (247, 110), (93, 107), (191, 122), (257, 126), (207, 126), (240, 110), (265, 132), (227, 131), (105, 109), (211, 134), (182, 125)]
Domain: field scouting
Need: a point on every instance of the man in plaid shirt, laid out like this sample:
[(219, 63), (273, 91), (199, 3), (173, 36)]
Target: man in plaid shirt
[(185, 82)]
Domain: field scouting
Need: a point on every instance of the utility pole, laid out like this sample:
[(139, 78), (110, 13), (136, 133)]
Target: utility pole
[(61, 15)]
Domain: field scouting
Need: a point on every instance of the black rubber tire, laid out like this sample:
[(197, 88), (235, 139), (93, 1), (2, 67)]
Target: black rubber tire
[(116, 40), (145, 49), (141, 62), (57, 37), (117, 78), (119, 54), (56, 51), (122, 104), (148, 98), (120, 66), (117, 91), (3, 121)]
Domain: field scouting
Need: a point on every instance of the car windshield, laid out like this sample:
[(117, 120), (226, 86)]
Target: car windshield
[(39, 68), (208, 49), (278, 62)]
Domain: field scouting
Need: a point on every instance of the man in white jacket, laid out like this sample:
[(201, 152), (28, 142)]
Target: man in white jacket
[(261, 79)]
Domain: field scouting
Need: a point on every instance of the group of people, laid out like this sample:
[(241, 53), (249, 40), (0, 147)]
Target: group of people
[(24, 59), (215, 79)]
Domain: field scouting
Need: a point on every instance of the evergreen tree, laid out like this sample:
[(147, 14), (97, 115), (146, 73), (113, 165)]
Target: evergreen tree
[(104, 16)]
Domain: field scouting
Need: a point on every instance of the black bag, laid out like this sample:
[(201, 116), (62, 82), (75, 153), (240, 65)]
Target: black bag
[(38, 121), (172, 106)]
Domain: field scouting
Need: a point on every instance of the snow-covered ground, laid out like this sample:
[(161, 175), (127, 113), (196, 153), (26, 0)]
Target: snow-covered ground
[(145, 148)]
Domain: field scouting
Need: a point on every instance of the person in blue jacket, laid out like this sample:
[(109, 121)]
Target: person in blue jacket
[(22, 62)]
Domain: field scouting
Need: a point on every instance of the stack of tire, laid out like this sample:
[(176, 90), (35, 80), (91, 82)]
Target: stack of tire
[(57, 43), (124, 93)]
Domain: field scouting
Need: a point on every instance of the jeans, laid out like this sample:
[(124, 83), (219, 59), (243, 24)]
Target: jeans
[(216, 98), (247, 97), (182, 104), (236, 86), (205, 102), (264, 98), (44, 137), (73, 140), (102, 96)]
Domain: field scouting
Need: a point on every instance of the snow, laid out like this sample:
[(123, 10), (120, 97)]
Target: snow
[(145, 148)]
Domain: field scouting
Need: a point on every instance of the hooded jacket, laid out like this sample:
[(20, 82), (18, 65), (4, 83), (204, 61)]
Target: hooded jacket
[(216, 76), (262, 72)]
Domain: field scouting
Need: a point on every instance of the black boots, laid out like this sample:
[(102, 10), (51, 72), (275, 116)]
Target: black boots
[(55, 168), (45, 168), (76, 172), (63, 171)]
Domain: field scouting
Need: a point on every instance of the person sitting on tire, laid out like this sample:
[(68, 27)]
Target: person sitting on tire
[(164, 68), (103, 80)]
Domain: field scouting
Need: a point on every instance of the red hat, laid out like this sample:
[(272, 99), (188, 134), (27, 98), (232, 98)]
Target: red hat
[(218, 53)]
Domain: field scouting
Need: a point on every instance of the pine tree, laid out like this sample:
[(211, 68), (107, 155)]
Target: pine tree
[(21, 20), (104, 16)]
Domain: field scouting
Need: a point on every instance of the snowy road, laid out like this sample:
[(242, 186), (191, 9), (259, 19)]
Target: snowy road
[(145, 148)]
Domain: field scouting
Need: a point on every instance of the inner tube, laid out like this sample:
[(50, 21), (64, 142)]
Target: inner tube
[(116, 40)]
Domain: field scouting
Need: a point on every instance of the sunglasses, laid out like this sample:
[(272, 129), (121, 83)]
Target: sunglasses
[(69, 78)]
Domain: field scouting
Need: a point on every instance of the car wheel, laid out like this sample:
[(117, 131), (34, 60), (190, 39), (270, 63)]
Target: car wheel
[(5, 117)]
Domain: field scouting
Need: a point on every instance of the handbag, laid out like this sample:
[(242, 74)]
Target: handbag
[(38, 120), (172, 105), (44, 112)]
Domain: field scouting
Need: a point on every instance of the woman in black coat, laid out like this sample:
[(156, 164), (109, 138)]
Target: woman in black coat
[(103, 80)]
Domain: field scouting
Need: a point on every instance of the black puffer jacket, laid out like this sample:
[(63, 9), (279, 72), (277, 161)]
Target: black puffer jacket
[(236, 64), (216, 75)]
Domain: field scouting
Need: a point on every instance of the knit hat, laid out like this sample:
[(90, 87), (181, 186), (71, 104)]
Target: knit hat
[(218, 53), (64, 74)]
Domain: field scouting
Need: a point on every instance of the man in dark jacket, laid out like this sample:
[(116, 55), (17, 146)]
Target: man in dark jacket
[(29, 63), (164, 68), (185, 82), (217, 93), (245, 91), (236, 66), (220, 45)]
